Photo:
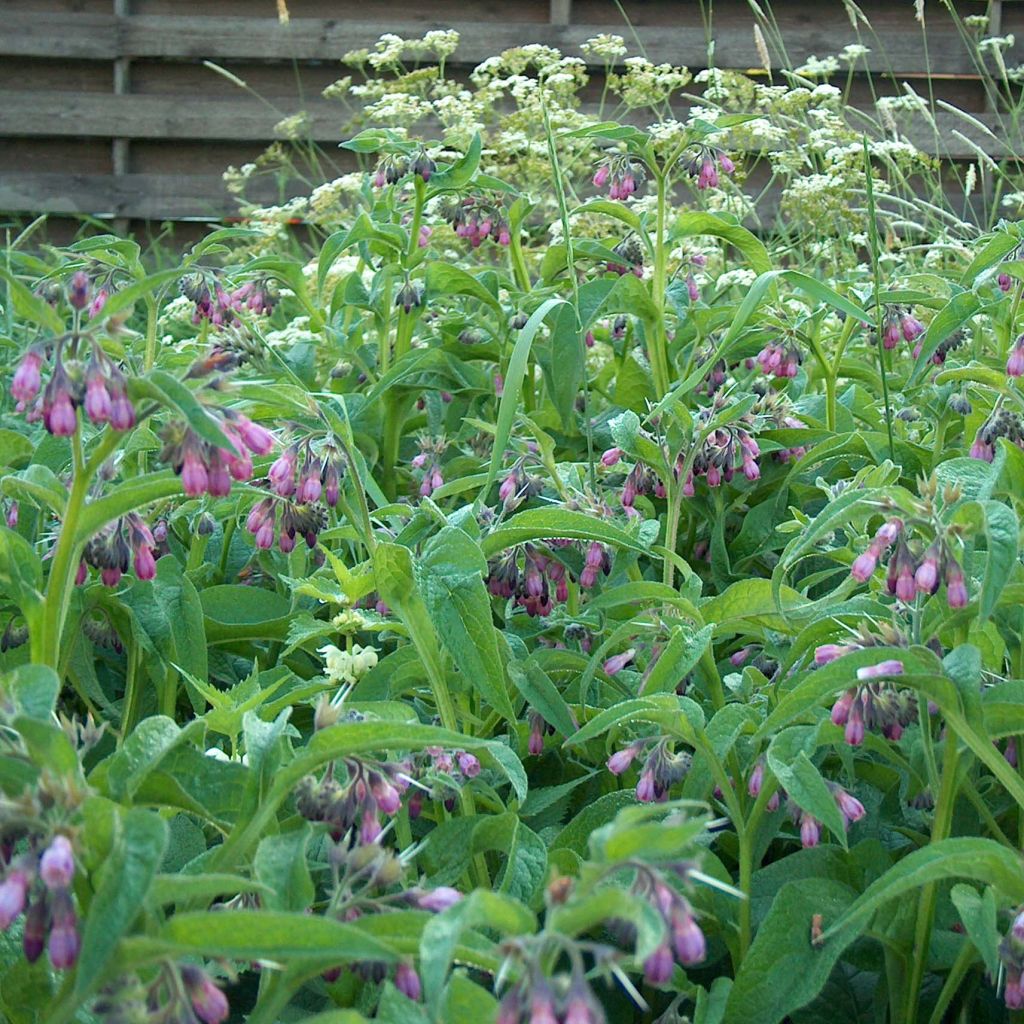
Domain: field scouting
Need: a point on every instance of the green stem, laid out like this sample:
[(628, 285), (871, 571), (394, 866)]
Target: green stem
[(65, 562), (957, 973), (152, 309), (926, 904), (873, 236)]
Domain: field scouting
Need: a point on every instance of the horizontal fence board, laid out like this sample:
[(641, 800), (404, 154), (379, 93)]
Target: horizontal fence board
[(216, 38), (53, 114)]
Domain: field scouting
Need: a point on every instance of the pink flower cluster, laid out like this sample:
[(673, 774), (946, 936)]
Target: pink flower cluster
[(214, 303), (662, 767), (706, 164), (114, 547), (810, 828), (723, 452), (50, 919), (780, 359), (101, 389), (910, 574), (307, 476), (876, 706), (477, 219), (622, 176), (899, 322), (205, 468)]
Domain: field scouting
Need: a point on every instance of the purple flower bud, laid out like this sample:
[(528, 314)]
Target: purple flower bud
[(27, 379), (218, 479), (282, 474), (1013, 994), (863, 566), (309, 488), (810, 831), (64, 942), (12, 515), (97, 399), (611, 456), (658, 967), (194, 478), (61, 420), (956, 588), (407, 981), (824, 653), (601, 175), (145, 563), (849, 806), (688, 940), (57, 865), (122, 412), (841, 708), (883, 669), (854, 731), (257, 439), (469, 765), (34, 937), (82, 573), (906, 587), (13, 891), (1017, 928), (646, 790), (1015, 363), (622, 759), (618, 662), (78, 294), (756, 780), (439, 899), (386, 796), (209, 1003), (508, 487)]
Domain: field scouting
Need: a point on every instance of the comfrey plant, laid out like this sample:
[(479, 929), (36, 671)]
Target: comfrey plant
[(536, 599)]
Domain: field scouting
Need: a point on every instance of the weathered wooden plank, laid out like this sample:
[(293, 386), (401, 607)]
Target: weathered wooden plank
[(54, 114), (821, 31)]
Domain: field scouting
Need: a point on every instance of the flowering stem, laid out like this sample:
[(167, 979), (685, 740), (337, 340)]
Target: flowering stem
[(926, 905), (659, 342), (68, 550), (152, 308), (873, 237)]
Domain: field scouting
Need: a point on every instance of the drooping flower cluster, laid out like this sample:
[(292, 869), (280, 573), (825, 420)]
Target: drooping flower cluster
[(1002, 423), (352, 807), (543, 579), (915, 567), (723, 452), (126, 541), (393, 167), (214, 303), (622, 176), (780, 359), (348, 666), (630, 255), (875, 704), (899, 322), (286, 520), (662, 766), (204, 467), (686, 943), (98, 386), (179, 992), (50, 919), (705, 164), (519, 485), (427, 463), (810, 828), (307, 474), (477, 218)]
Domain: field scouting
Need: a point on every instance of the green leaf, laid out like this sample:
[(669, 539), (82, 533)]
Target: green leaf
[(460, 173), (447, 279), (509, 405), (683, 712), (684, 649), (35, 689), (168, 390), (280, 864), (978, 914), (950, 318), (272, 935), (753, 249), (982, 860), (143, 750), (124, 883), (449, 576), (1001, 529), (552, 523), (31, 307), (441, 934), (235, 612), (790, 764), (783, 971), (541, 694)]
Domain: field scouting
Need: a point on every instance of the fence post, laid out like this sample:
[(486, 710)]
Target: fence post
[(119, 148), (561, 12)]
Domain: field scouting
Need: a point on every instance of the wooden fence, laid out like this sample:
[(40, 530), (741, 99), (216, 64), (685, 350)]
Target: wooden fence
[(107, 109)]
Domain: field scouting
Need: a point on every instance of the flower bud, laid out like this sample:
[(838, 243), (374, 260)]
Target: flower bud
[(34, 937), (438, 899), (849, 806), (407, 981), (883, 669), (13, 891), (27, 379), (659, 966), (208, 1001), (78, 293), (468, 764), (688, 940), (57, 865), (622, 759)]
